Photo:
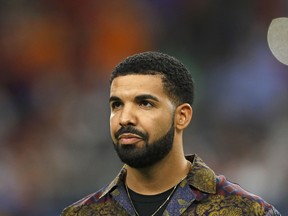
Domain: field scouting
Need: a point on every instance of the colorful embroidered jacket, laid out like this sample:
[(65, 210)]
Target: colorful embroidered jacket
[(201, 193)]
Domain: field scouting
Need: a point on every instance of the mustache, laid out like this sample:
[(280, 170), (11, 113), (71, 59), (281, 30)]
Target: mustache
[(132, 130)]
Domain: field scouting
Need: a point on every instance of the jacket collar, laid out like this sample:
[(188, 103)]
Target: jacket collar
[(200, 177)]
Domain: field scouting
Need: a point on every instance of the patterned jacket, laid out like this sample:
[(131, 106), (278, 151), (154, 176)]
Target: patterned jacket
[(200, 193)]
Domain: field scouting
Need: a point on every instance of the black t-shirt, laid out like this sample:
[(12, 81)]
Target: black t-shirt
[(146, 205)]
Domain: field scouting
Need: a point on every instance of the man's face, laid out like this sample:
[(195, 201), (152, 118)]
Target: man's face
[(141, 120)]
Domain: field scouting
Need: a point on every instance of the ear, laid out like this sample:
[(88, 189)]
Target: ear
[(183, 116)]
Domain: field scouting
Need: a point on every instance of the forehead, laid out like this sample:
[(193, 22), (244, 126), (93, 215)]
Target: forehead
[(137, 84)]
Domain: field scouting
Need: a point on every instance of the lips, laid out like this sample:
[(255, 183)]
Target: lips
[(128, 138)]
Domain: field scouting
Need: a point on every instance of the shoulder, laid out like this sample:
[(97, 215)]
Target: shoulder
[(98, 202), (215, 194), (232, 196), (94, 204), (85, 204)]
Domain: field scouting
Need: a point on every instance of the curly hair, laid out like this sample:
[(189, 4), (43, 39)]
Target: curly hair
[(177, 80)]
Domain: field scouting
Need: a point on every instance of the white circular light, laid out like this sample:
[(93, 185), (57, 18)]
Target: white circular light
[(278, 39)]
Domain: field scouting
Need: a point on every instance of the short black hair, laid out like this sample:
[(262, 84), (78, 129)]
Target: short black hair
[(177, 80)]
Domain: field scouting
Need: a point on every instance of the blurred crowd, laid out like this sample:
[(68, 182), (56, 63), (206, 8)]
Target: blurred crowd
[(55, 62)]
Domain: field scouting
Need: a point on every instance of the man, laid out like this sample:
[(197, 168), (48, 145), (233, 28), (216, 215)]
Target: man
[(151, 98)]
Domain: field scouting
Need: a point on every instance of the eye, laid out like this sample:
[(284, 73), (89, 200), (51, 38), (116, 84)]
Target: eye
[(146, 104), (116, 105)]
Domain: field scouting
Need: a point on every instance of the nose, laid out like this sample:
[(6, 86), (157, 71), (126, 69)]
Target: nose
[(127, 116)]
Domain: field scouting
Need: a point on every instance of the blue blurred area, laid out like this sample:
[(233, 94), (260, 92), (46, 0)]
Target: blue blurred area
[(55, 62)]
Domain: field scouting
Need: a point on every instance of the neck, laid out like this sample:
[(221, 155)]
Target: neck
[(159, 177)]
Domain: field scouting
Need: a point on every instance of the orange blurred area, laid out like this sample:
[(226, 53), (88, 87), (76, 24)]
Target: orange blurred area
[(116, 34), (34, 44), (98, 39)]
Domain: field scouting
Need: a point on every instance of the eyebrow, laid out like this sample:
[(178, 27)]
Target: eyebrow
[(146, 97), (114, 98), (137, 98)]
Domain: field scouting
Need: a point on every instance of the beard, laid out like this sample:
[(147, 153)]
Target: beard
[(149, 153)]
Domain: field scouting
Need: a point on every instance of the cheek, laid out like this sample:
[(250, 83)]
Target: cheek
[(158, 127), (113, 128)]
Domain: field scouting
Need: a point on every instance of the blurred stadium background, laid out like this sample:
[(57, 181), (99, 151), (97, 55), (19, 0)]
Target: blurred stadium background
[(55, 62)]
